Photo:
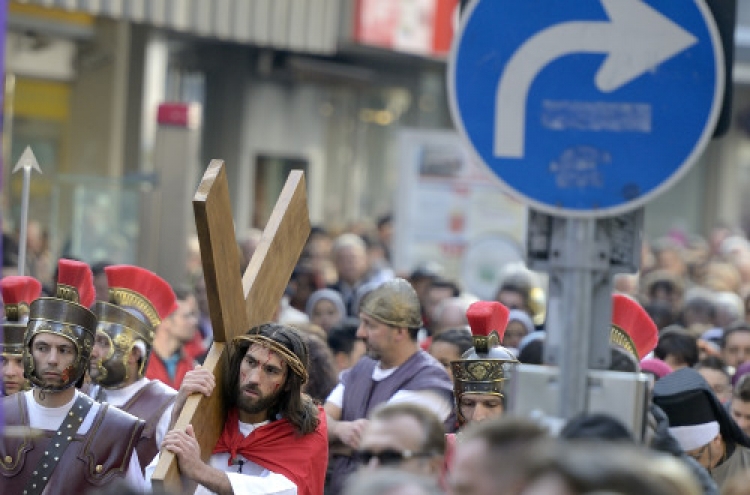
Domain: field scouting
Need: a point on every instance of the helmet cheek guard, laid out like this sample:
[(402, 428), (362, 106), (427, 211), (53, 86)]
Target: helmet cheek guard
[(122, 330)]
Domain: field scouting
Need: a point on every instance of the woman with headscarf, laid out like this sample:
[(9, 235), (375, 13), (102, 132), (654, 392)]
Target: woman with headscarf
[(325, 308), (519, 326)]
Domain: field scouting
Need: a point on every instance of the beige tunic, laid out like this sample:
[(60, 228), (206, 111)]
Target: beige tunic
[(738, 462)]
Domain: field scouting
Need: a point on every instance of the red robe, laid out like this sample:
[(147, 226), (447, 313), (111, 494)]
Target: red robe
[(156, 370), (277, 447)]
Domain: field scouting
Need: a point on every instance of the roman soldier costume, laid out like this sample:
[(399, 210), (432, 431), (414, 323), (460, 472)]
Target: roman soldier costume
[(18, 292), (94, 443), (138, 301), (486, 367), (632, 329)]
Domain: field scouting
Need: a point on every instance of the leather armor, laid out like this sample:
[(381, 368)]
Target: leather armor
[(149, 404), (91, 461)]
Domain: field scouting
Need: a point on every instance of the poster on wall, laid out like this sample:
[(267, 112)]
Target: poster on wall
[(451, 213)]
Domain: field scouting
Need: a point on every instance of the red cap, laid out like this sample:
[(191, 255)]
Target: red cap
[(18, 289), (486, 316), (146, 283), (630, 316), (78, 275)]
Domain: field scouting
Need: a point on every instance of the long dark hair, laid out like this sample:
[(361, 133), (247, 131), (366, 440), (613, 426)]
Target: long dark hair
[(323, 377), (296, 407)]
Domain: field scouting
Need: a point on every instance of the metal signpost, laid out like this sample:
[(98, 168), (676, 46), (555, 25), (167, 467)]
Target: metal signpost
[(585, 110)]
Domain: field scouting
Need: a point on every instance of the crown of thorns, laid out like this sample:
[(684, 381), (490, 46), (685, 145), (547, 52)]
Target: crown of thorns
[(288, 356)]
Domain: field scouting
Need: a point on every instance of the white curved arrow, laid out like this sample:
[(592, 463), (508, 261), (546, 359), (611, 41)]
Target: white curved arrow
[(636, 39)]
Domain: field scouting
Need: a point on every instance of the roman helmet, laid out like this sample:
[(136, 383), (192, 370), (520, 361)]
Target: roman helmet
[(66, 315), (138, 301), (18, 292), (394, 302), (632, 328), (486, 367)]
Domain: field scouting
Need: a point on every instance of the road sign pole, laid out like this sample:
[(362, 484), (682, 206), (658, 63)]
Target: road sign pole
[(581, 255)]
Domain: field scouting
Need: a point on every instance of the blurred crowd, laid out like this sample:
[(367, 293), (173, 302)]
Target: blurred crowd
[(404, 418)]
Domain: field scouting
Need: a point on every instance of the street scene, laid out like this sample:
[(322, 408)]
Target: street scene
[(375, 247)]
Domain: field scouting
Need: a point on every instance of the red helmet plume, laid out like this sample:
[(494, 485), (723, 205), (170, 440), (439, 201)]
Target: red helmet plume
[(486, 316), (17, 289), (145, 283), (633, 320), (78, 276)]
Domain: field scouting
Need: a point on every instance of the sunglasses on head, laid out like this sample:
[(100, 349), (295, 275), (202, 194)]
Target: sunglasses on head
[(388, 457)]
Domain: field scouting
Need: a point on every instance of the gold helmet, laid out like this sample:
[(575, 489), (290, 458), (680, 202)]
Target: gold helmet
[(140, 300), (484, 368), (66, 315), (18, 292), (394, 302)]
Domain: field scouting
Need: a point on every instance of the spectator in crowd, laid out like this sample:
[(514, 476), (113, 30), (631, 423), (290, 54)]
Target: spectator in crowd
[(440, 289), (729, 309), (491, 454), (322, 372), (661, 312), (699, 309), (740, 405), (701, 425), (449, 346), (421, 279), (735, 346), (385, 234), (169, 362), (677, 348), (663, 286), (204, 314), (388, 481), (403, 435), (350, 259), (715, 372), (346, 347), (519, 326), (515, 290), (325, 308), (451, 313), (303, 282)]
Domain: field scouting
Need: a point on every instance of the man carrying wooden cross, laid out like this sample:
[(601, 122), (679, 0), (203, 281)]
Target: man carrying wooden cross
[(275, 439)]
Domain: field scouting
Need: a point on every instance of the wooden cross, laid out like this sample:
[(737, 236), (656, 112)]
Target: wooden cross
[(236, 303)]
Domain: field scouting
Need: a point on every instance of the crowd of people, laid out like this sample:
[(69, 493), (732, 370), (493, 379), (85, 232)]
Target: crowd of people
[(373, 382)]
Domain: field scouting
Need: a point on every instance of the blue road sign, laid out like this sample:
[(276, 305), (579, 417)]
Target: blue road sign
[(587, 108)]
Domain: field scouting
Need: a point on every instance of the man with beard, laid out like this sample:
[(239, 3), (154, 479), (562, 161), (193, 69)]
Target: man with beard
[(169, 362), (18, 292), (274, 440), (84, 445), (396, 370), (139, 300)]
